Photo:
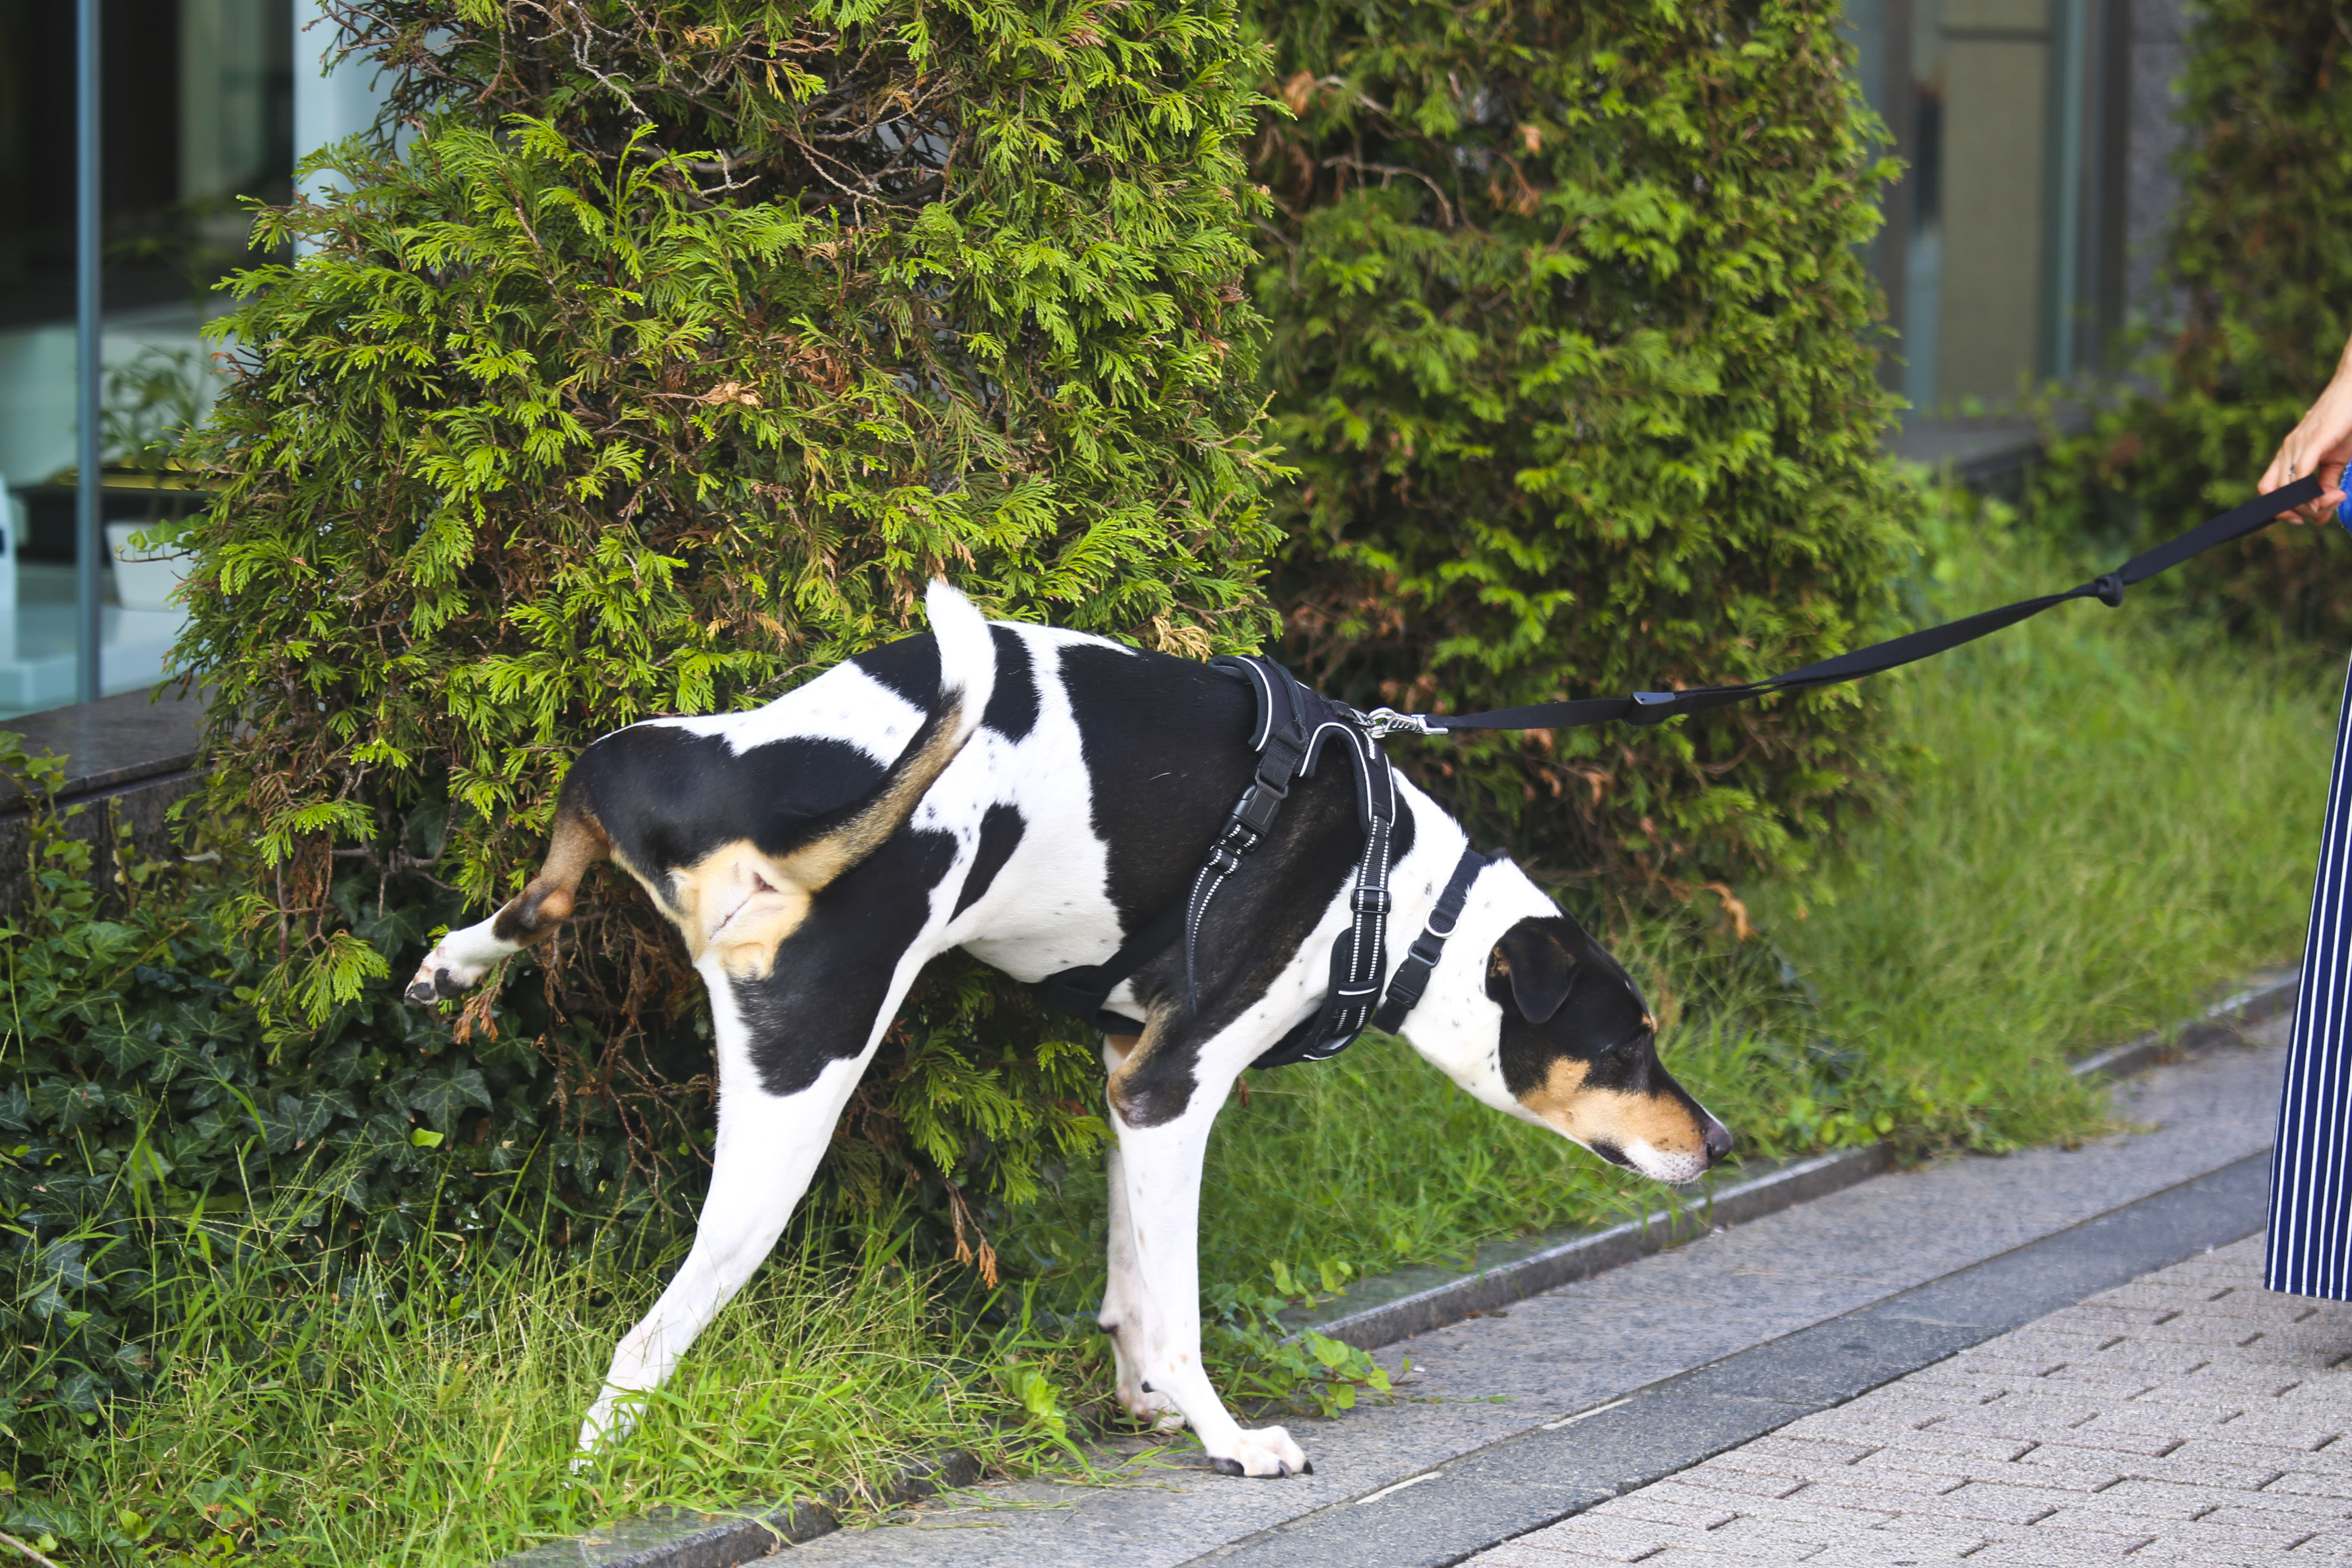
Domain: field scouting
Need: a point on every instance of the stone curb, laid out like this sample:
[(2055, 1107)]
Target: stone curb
[(679, 1538), (2267, 997), (1392, 1306), (1388, 1307)]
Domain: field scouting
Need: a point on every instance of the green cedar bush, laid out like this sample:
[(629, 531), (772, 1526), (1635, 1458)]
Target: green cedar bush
[(1573, 345), (673, 352), (2257, 279)]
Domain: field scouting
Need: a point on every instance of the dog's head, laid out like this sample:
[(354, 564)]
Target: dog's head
[(1578, 1051), (1530, 1015)]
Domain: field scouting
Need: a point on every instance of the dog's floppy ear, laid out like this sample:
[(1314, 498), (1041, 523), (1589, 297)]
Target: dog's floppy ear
[(1540, 966)]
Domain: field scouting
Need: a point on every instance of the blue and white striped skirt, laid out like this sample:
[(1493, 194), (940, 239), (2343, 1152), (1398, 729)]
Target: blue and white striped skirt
[(2310, 1249)]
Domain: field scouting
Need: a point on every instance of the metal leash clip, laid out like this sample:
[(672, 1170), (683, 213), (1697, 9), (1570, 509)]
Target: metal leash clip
[(1386, 721)]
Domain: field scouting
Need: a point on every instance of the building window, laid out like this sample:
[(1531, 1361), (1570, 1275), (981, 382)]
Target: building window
[(197, 110), (2003, 256)]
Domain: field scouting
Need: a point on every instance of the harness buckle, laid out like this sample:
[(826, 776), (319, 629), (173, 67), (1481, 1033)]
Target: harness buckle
[(1386, 721), (1372, 901)]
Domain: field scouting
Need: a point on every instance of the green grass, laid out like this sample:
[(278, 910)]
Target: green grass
[(2108, 814), (2100, 818), (424, 1411)]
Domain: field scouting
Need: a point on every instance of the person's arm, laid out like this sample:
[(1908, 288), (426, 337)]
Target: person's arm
[(2320, 444)]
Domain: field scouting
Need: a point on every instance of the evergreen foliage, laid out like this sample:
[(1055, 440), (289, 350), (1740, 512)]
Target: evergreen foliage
[(661, 368), (2257, 292), (1573, 346)]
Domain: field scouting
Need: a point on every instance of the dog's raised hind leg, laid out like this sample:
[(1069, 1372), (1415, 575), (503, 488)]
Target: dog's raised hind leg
[(461, 958)]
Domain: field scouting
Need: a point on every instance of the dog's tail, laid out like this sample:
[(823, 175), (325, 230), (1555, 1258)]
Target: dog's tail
[(967, 680)]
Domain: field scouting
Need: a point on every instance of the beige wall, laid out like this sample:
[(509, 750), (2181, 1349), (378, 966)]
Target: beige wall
[(1996, 60)]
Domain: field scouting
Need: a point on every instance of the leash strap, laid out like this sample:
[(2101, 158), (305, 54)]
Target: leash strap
[(1644, 708)]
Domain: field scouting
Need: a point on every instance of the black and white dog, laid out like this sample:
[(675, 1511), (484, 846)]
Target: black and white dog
[(1032, 797)]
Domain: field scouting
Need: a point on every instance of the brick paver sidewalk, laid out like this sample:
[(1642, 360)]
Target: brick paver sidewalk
[(2188, 1417)]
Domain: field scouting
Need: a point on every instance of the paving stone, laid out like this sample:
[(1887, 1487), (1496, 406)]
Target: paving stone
[(2043, 1554), (1868, 1554), (2164, 1361), (1869, 1430), (2017, 1363), (1789, 1444), (1961, 1502), (1625, 1539), (1527, 1552), (1662, 1510), (2229, 1448), (2154, 1292), (2317, 1335), (1956, 1468), (2187, 1531), (1736, 1483), (2298, 1483), (2173, 1500), (2286, 1429), (2256, 1383), (2169, 1467), (1763, 1537), (2327, 1546), (1967, 1444), (2253, 1514), (1797, 1510)]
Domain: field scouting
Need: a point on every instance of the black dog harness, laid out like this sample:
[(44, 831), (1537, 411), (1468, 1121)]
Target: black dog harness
[(1294, 727)]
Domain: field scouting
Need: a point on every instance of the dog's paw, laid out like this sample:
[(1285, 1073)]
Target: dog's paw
[(441, 975), (1268, 1452)]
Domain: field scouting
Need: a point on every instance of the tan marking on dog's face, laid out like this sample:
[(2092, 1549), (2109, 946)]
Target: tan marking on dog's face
[(1611, 1116), (1120, 1045)]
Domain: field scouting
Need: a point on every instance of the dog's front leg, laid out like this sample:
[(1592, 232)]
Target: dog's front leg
[(1158, 1170)]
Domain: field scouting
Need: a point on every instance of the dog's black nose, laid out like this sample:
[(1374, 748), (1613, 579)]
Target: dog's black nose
[(1719, 1140)]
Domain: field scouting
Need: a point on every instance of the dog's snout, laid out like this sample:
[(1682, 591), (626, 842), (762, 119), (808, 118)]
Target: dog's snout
[(1719, 1140)]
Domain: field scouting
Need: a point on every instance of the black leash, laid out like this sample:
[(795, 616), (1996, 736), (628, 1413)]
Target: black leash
[(1655, 707), (1294, 724)]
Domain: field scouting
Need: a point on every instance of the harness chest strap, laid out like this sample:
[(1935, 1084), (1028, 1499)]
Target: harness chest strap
[(1411, 976)]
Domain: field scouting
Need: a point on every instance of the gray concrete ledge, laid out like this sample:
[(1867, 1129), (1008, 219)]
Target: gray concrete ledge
[(1380, 1311), (2268, 996), (135, 755)]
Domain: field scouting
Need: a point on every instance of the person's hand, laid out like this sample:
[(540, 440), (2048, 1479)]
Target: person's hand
[(2320, 444)]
